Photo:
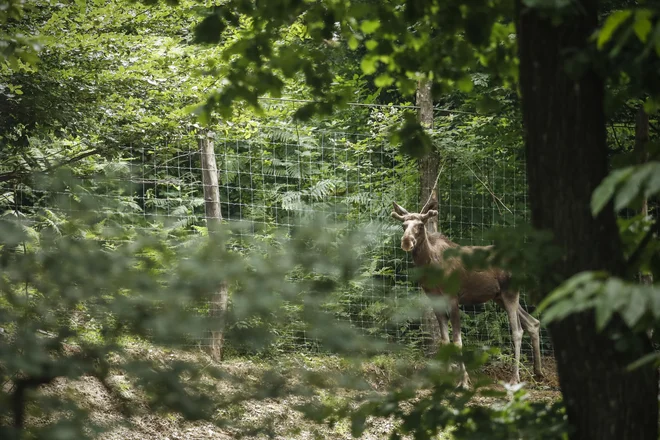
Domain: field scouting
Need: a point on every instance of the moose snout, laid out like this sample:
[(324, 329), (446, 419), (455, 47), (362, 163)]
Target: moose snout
[(408, 243)]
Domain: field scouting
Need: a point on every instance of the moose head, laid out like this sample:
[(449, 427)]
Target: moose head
[(414, 230)]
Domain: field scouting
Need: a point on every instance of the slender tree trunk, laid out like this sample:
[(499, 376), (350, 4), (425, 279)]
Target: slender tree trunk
[(218, 306), (428, 172), (566, 160), (641, 148)]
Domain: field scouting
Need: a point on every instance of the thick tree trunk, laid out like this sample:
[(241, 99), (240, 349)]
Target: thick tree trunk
[(566, 159), (428, 172), (218, 306)]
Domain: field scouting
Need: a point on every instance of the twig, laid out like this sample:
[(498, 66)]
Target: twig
[(4, 177), (616, 138), (490, 191), (434, 189)]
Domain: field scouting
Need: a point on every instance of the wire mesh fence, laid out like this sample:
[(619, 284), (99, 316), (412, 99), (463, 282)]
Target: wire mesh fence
[(273, 177)]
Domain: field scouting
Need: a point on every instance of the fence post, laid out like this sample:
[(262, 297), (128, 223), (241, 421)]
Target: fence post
[(428, 172), (218, 306)]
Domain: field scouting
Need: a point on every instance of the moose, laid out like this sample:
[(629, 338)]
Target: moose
[(477, 286)]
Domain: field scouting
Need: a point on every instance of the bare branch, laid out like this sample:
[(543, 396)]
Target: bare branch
[(497, 199)]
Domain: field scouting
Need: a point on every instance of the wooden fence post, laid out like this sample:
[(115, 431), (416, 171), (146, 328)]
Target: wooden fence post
[(428, 173), (218, 306)]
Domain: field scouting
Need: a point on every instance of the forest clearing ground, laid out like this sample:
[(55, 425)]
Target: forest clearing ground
[(276, 414)]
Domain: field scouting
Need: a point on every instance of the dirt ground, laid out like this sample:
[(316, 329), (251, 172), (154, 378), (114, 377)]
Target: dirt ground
[(279, 414)]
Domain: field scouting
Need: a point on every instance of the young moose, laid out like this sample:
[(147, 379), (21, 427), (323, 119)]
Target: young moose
[(476, 286)]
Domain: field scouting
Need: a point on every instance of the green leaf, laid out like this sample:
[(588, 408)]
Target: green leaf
[(650, 357), (632, 187), (568, 287), (653, 182), (368, 65), (465, 84), (371, 44), (369, 26), (606, 189), (352, 42), (612, 23), (383, 80), (612, 298), (635, 307), (655, 303), (651, 105), (642, 25)]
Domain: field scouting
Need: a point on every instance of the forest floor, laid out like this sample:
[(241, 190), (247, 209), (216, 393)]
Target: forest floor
[(279, 414)]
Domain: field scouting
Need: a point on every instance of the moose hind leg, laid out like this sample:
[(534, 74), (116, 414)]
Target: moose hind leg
[(533, 327), (510, 303)]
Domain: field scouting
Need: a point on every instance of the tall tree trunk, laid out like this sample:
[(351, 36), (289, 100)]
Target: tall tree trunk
[(566, 159), (428, 172), (641, 142), (641, 148), (218, 306)]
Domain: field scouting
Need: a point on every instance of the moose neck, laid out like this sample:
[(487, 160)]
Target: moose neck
[(422, 251)]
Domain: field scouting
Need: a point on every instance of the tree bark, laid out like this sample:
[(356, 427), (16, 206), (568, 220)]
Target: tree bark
[(428, 172), (218, 306), (566, 159)]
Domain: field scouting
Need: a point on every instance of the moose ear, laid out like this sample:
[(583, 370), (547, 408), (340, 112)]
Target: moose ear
[(399, 210), (430, 204), (430, 214), (397, 216)]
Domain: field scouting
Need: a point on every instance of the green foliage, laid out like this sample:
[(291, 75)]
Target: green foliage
[(18, 51), (638, 305), (69, 302), (472, 37), (627, 186), (111, 99)]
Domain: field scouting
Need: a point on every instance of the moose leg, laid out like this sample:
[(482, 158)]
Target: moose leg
[(455, 316), (443, 321), (533, 327), (510, 303)]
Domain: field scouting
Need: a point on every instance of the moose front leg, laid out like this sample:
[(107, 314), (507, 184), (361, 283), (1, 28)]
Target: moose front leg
[(455, 316), (441, 314)]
